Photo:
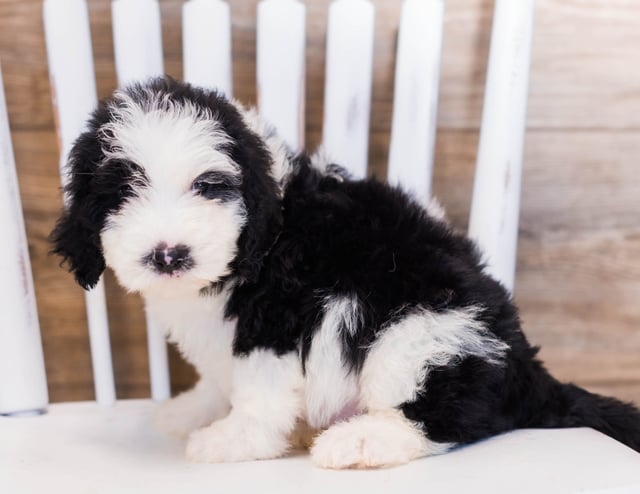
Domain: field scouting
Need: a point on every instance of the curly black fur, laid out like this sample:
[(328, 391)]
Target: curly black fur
[(369, 240)]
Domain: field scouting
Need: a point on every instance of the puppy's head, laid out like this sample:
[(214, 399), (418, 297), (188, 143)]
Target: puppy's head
[(171, 189)]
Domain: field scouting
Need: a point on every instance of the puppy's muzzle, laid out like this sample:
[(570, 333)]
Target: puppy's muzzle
[(168, 260)]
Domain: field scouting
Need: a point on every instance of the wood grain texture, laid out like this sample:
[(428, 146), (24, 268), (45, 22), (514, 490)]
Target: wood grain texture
[(578, 279)]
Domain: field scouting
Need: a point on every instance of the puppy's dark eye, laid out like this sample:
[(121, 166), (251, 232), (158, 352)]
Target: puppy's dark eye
[(125, 190), (215, 185), (208, 190)]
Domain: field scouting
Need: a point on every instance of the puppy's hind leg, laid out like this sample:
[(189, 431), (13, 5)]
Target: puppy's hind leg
[(373, 440), (393, 380)]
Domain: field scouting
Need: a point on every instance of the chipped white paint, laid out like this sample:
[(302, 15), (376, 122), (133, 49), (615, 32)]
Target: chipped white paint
[(137, 41), (347, 97), (415, 99), (206, 44), (496, 192), (23, 383), (280, 67), (73, 88)]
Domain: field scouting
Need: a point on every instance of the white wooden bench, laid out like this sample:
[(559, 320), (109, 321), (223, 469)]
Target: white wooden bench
[(107, 446)]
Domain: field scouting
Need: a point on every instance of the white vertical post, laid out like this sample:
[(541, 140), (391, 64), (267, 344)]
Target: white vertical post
[(496, 192), (280, 67), (137, 39), (347, 96), (73, 87), (415, 99), (23, 382), (206, 44)]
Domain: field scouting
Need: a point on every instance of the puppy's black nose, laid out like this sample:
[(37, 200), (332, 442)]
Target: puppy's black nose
[(169, 259)]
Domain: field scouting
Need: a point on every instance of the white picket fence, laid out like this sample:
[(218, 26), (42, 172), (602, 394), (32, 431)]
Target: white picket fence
[(280, 78)]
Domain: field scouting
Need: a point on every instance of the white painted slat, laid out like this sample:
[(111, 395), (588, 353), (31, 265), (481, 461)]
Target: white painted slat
[(73, 86), (281, 29), (415, 100), (347, 97), (23, 382), (206, 44), (496, 192), (137, 40), (158, 361)]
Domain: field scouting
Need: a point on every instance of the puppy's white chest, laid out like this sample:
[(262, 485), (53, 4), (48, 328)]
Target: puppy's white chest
[(203, 336)]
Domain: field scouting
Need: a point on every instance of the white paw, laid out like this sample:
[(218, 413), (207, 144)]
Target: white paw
[(235, 439), (369, 441), (184, 414)]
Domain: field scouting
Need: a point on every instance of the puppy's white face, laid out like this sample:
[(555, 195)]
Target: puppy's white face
[(182, 212), (172, 187)]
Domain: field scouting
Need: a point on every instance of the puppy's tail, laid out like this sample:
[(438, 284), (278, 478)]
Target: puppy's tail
[(576, 407)]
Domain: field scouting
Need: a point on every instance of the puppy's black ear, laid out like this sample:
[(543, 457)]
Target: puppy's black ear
[(263, 204), (76, 236)]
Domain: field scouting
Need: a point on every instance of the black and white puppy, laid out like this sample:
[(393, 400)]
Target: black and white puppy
[(300, 294)]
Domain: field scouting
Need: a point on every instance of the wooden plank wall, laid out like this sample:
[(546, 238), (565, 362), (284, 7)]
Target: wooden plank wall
[(578, 281)]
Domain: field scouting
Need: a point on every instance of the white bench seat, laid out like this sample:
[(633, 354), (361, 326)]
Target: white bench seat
[(82, 447)]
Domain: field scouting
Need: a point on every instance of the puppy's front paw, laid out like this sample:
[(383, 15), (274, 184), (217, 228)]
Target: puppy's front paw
[(372, 441), (344, 446), (235, 439)]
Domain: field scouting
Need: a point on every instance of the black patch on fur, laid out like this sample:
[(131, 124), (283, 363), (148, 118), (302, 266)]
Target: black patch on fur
[(94, 192), (214, 288), (370, 242), (343, 238)]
